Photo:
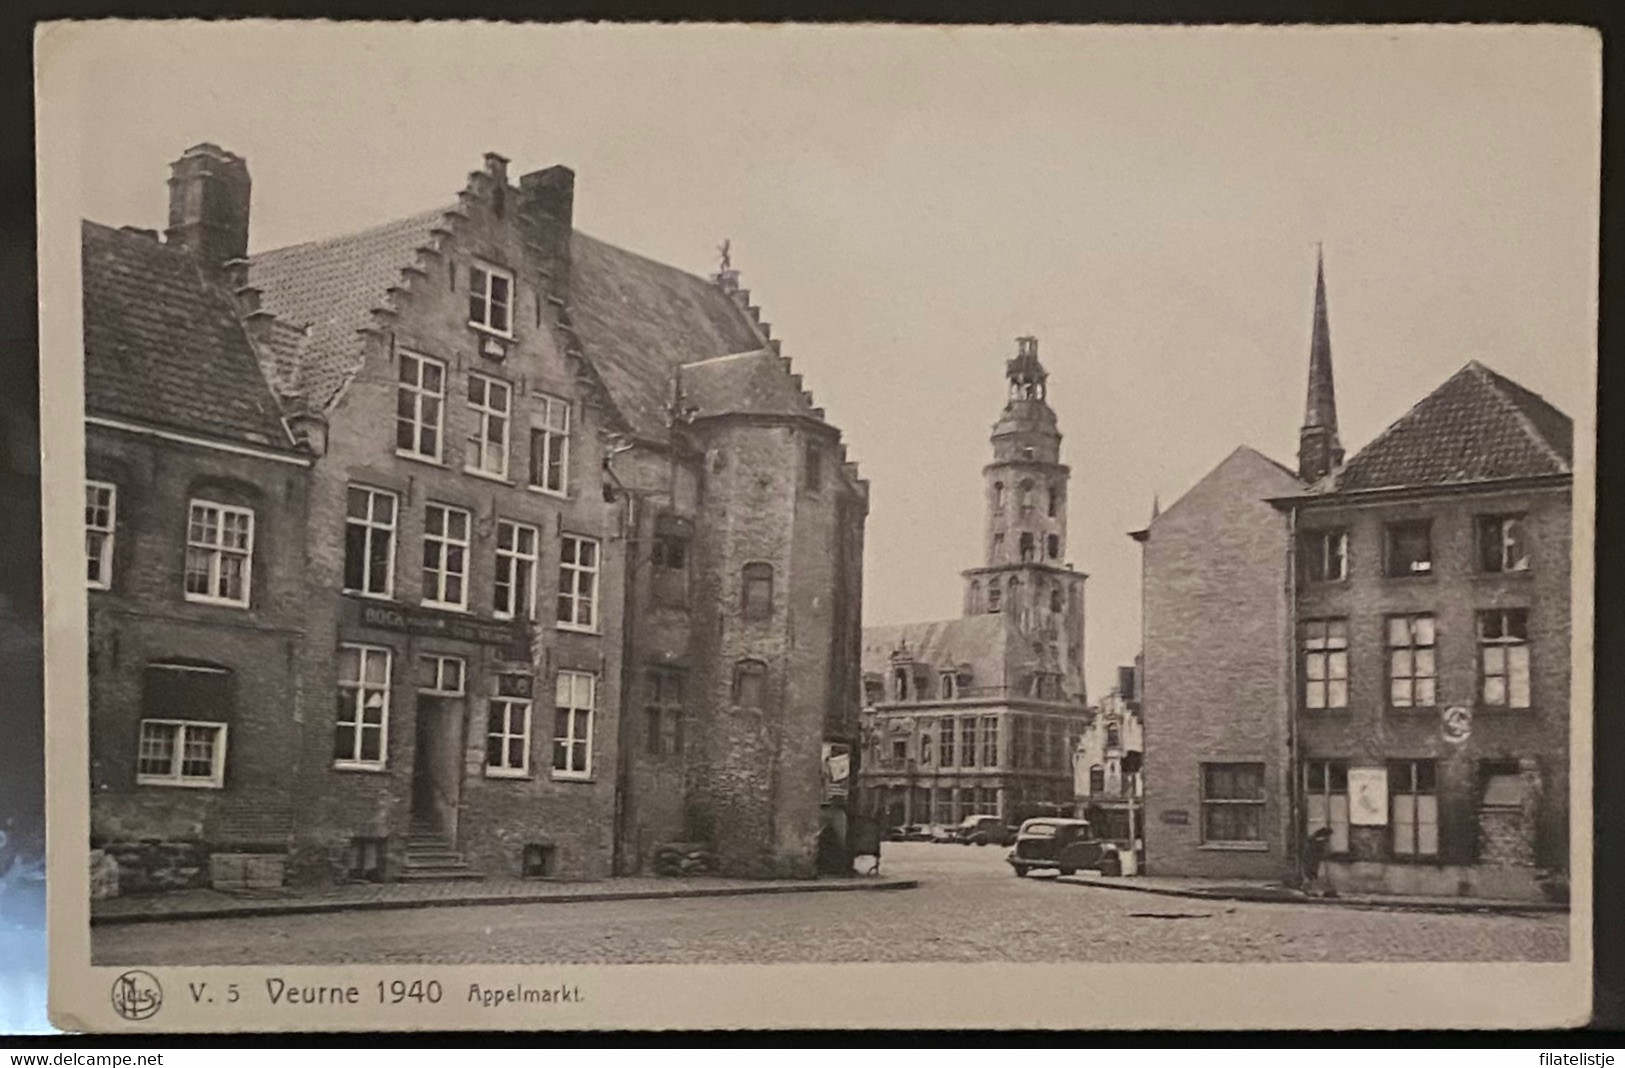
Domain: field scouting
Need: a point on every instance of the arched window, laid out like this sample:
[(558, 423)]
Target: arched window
[(1024, 494), (1015, 587), (1052, 546), (994, 594), (1055, 602), (950, 686), (758, 591), (750, 684), (998, 496), (1026, 547), (900, 684), (975, 596), (1054, 502), (1114, 736), (1097, 780)]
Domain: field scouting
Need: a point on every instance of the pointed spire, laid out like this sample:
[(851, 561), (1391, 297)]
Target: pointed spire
[(1156, 506), (1319, 450)]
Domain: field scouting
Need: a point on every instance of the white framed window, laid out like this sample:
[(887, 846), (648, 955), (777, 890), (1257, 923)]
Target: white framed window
[(174, 752), (1412, 670), (101, 512), (489, 401), (1502, 544), (361, 733), (575, 695), (369, 542), (445, 557), (1325, 663), (1323, 555), (442, 676), (1503, 642), (1326, 801), (550, 445), (515, 590), (219, 553), (1413, 808), (490, 299), (507, 738), (578, 584), (420, 407)]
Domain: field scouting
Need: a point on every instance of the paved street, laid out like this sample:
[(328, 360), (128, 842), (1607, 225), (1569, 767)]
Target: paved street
[(968, 908)]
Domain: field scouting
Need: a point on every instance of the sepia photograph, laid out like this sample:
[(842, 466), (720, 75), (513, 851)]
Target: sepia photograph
[(572, 496)]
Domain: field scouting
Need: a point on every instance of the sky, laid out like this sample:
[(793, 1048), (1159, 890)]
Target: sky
[(904, 203)]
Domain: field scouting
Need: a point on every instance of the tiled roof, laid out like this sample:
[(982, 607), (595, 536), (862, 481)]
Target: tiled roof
[(164, 347), (751, 383), (638, 320), (331, 287), (1478, 426), (980, 641)]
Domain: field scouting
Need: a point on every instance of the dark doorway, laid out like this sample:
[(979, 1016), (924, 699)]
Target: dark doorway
[(437, 764)]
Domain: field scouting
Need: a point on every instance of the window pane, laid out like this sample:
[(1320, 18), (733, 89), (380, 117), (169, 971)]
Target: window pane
[(1399, 631), (1495, 690), (1399, 693), (1518, 676), (1425, 692), (1424, 630)]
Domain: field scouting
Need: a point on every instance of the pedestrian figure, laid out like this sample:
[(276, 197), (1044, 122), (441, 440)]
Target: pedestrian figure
[(1314, 859)]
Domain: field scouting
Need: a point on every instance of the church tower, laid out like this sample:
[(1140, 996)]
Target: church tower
[(1024, 574), (1319, 450)]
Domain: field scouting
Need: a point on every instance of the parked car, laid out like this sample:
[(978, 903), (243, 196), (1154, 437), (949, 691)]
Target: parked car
[(1065, 845), (911, 832), (980, 830), (941, 834)]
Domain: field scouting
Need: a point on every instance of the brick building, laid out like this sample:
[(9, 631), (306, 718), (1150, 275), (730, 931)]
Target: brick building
[(1107, 766), (196, 499), (566, 510), (980, 715), (1400, 655)]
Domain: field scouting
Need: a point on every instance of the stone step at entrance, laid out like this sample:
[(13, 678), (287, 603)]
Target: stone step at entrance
[(432, 855)]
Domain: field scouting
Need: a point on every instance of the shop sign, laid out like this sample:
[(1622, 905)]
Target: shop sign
[(1368, 797), (427, 623), (514, 685), (1177, 816)]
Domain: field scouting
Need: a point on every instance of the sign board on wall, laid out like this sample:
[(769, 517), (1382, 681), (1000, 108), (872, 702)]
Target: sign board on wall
[(1176, 816), (1368, 797)]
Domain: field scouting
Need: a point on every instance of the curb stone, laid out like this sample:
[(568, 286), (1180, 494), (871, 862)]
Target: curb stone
[(385, 904), (1383, 904)]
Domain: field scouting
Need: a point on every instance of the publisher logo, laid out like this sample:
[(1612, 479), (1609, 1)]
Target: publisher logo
[(137, 995)]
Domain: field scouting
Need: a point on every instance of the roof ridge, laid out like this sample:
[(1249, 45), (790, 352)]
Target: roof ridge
[(1497, 385)]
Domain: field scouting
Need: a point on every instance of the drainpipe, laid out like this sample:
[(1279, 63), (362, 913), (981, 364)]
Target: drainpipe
[(1294, 743)]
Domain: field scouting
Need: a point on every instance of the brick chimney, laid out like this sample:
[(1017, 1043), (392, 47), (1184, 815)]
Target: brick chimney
[(552, 191), (208, 206)]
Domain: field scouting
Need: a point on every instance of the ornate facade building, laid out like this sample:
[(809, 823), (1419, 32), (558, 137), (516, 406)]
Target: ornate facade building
[(980, 715), (530, 521)]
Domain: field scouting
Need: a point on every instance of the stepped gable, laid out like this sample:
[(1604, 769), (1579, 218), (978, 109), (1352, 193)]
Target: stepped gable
[(639, 320), (164, 347), (746, 383), (1478, 426), (331, 288)]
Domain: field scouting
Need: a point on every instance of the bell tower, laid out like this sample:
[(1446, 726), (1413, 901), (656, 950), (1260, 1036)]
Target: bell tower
[(1024, 573)]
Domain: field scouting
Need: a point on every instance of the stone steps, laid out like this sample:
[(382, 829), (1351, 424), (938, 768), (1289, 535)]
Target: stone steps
[(431, 855)]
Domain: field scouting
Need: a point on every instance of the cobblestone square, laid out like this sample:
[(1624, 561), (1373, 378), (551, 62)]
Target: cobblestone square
[(968, 908)]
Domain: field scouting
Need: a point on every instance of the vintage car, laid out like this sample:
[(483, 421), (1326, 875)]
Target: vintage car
[(1051, 842), (980, 830), (911, 832)]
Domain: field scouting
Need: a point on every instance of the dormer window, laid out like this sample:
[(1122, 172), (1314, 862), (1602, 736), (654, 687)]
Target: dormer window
[(490, 299)]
